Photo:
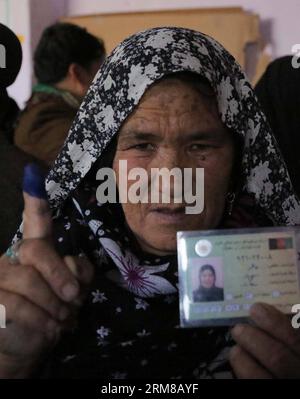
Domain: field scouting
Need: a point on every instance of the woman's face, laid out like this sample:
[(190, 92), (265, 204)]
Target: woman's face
[(207, 279), (175, 125)]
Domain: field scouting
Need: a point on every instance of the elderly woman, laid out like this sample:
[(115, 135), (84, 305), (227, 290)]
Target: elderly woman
[(166, 97)]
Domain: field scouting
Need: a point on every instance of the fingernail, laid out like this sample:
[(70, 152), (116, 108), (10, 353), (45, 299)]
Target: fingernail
[(70, 291), (34, 181), (258, 311), (237, 330), (71, 265)]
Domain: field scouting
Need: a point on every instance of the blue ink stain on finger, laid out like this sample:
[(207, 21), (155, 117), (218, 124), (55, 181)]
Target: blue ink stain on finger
[(34, 181)]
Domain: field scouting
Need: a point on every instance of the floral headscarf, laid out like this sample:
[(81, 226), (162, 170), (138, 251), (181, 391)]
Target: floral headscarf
[(129, 325)]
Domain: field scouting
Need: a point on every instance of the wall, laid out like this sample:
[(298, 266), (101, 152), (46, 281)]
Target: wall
[(42, 14), (280, 19)]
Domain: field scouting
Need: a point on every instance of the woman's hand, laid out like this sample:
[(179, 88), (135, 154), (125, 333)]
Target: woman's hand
[(269, 350), (41, 294)]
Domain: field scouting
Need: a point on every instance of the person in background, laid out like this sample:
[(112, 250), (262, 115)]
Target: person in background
[(65, 63), (278, 94), (10, 65), (12, 160)]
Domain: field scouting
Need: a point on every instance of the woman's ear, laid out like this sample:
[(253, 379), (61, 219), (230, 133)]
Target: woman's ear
[(78, 79)]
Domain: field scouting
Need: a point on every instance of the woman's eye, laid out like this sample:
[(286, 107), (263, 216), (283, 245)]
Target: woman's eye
[(199, 147), (143, 147)]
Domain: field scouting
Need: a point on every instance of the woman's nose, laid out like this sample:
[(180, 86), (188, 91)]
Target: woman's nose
[(167, 174), (170, 158)]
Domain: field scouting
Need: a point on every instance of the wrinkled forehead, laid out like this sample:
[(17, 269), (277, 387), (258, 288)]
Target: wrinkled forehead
[(178, 85), (187, 79), (148, 58), (180, 97)]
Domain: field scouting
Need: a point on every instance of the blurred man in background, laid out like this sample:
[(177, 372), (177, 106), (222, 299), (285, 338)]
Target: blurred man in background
[(65, 63)]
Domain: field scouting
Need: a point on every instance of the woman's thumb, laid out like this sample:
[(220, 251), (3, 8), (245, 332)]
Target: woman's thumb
[(37, 220)]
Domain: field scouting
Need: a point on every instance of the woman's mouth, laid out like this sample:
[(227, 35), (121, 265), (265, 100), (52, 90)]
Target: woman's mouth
[(168, 214)]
